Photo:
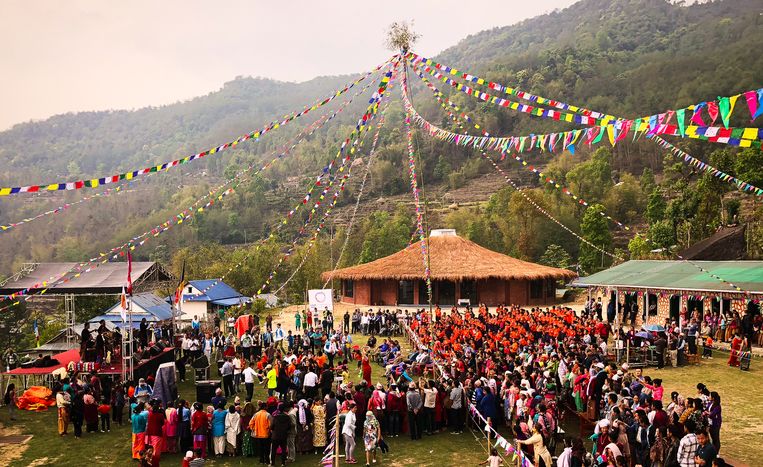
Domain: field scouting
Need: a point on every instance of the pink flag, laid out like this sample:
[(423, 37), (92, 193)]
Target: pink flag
[(752, 102)]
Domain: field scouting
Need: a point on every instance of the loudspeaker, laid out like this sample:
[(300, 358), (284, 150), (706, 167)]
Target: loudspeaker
[(161, 345), (201, 362), (154, 351)]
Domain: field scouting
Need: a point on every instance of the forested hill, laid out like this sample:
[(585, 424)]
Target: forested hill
[(629, 56), (625, 57), (88, 144)]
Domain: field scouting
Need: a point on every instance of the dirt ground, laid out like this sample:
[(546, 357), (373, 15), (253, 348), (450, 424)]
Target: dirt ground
[(11, 452)]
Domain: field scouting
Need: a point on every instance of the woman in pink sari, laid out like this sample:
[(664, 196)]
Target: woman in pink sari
[(171, 428)]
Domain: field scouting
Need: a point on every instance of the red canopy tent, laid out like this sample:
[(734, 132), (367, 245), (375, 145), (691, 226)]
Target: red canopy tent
[(64, 358)]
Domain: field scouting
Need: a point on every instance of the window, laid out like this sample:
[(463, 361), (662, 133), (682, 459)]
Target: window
[(405, 292), (469, 291), (551, 288), (190, 289), (348, 286), (423, 294), (536, 289), (653, 304)]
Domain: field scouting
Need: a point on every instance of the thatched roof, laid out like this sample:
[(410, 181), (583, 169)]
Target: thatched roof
[(451, 258)]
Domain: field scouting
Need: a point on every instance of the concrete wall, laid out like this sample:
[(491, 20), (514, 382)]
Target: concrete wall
[(191, 309)]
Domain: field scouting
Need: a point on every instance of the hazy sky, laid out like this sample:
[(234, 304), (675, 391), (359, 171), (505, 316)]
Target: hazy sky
[(61, 56)]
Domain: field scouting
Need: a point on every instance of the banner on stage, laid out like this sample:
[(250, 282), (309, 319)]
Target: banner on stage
[(320, 299)]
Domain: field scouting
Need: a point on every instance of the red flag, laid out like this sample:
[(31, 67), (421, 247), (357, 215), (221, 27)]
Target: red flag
[(129, 271)]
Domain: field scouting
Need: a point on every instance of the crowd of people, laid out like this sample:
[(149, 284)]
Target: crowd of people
[(522, 370)]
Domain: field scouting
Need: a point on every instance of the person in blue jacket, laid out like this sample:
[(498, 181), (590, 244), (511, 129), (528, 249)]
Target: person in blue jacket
[(218, 430)]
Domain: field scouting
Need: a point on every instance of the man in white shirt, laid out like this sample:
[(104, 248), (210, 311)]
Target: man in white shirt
[(249, 376), (278, 337), (310, 381), (430, 399), (237, 373)]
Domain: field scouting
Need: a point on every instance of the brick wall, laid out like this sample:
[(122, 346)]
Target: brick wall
[(362, 293), (492, 292)]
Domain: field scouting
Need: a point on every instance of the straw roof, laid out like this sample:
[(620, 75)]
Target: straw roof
[(451, 258)]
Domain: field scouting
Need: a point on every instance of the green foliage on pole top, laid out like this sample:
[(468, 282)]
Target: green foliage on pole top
[(401, 36)]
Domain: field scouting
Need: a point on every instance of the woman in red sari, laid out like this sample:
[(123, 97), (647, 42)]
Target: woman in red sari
[(736, 346), (199, 426), (366, 367)]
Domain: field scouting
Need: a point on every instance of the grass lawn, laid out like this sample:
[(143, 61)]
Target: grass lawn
[(48, 448), (741, 400), (742, 432)]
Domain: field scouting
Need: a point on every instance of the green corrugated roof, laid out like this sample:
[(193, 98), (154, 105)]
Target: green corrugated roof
[(679, 275)]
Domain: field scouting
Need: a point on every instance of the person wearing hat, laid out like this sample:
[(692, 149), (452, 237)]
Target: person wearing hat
[(187, 459)]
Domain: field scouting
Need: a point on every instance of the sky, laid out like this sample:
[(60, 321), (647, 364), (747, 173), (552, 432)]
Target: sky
[(79, 55)]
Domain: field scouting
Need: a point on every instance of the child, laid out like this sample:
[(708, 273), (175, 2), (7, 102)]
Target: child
[(494, 460), (104, 410), (707, 349)]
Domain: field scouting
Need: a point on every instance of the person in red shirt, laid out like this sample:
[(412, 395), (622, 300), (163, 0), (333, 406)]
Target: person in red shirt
[(104, 411), (155, 429), (199, 428)]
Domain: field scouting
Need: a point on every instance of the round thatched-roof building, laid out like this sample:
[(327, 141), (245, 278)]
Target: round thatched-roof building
[(460, 270)]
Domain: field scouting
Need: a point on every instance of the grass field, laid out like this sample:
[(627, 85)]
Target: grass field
[(742, 432), (46, 447)]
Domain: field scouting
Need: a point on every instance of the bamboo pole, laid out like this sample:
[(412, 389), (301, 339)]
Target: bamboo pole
[(336, 441), (487, 433)]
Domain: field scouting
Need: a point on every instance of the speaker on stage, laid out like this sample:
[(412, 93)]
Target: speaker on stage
[(201, 362)]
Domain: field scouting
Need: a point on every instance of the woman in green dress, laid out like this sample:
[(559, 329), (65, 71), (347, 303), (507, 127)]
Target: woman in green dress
[(247, 443), (297, 321)]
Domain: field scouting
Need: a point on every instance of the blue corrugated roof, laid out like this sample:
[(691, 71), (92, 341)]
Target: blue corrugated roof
[(154, 305), (232, 301), (220, 291)]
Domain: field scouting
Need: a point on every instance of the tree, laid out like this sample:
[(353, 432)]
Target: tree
[(647, 181), (556, 256), (594, 228), (442, 169), (749, 166), (638, 247), (655, 206), (662, 234), (591, 179)]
